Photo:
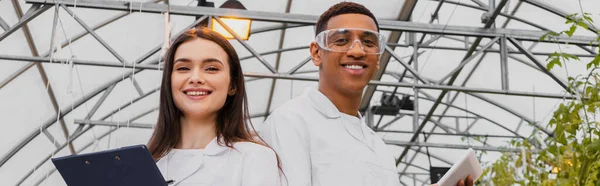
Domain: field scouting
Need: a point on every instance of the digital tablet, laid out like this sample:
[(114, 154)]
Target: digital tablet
[(125, 166), (467, 165)]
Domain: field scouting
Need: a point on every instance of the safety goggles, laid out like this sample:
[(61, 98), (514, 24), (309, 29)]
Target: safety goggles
[(343, 39)]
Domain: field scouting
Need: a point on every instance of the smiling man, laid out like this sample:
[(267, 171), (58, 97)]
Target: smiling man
[(320, 136)]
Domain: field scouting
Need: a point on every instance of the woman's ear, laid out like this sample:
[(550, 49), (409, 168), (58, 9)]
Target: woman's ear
[(232, 91), (314, 53)]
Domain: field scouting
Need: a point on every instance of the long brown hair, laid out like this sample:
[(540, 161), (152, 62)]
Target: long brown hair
[(232, 125)]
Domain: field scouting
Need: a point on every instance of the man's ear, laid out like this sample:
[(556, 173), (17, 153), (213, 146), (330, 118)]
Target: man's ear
[(314, 53), (378, 65)]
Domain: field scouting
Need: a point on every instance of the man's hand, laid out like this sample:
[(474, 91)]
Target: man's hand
[(467, 182), (461, 182)]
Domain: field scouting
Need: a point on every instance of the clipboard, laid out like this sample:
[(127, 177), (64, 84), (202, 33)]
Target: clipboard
[(467, 165), (125, 166)]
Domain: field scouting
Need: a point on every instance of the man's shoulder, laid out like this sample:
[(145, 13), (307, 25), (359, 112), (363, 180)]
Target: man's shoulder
[(295, 105), (293, 112)]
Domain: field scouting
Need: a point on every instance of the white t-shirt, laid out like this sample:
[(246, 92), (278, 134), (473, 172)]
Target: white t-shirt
[(247, 164), (320, 146)]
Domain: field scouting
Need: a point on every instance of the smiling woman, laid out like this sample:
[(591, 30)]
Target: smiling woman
[(202, 135)]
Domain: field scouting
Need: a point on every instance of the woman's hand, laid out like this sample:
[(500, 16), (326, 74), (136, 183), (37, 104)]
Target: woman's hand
[(461, 182)]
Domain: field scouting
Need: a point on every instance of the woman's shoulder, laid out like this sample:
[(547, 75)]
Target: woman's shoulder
[(251, 148)]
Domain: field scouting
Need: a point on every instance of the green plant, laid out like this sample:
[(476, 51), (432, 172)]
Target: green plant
[(572, 155)]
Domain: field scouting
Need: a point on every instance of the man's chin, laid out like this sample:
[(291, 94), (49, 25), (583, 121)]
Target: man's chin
[(354, 88)]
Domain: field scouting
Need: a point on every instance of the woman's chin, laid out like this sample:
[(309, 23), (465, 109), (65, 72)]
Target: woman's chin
[(197, 113)]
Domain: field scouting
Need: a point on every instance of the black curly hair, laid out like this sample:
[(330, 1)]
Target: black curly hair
[(342, 8)]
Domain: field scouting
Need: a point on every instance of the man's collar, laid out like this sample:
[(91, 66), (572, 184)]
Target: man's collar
[(322, 104)]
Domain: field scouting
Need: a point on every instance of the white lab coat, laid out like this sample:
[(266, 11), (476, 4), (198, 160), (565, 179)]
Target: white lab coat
[(249, 164), (318, 146)]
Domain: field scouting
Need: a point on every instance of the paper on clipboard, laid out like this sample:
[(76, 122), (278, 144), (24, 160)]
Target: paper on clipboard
[(467, 165)]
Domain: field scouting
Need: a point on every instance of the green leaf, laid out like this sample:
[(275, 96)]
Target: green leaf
[(554, 61), (595, 61), (572, 18), (549, 33), (568, 21), (567, 56), (588, 18), (560, 138), (577, 106), (552, 149), (582, 24), (544, 37), (572, 30)]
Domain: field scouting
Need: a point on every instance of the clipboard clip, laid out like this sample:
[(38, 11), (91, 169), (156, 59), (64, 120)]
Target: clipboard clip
[(169, 182)]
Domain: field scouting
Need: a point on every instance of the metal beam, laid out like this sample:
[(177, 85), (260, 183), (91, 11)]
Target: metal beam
[(465, 110), (159, 47), (75, 135), (45, 159), (95, 27), (557, 11), (481, 97), (408, 144), (277, 60), (490, 101), (451, 134), (66, 43), (17, 147), (514, 57), (95, 35), (278, 52), (42, 72), (407, 66), (276, 27), (420, 86), (539, 65), (247, 46), (99, 102), (76, 103), (415, 58), (300, 65), (481, 4), (432, 155), (471, 125), (77, 62), (514, 112), (33, 12), (475, 67), (114, 124), (377, 128), (404, 15), (104, 43), (512, 17), (464, 62), (488, 24), (16, 74), (503, 63), (53, 169), (526, 35), (439, 115), (306, 78), (3, 24), (487, 50), (84, 33), (51, 138)]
